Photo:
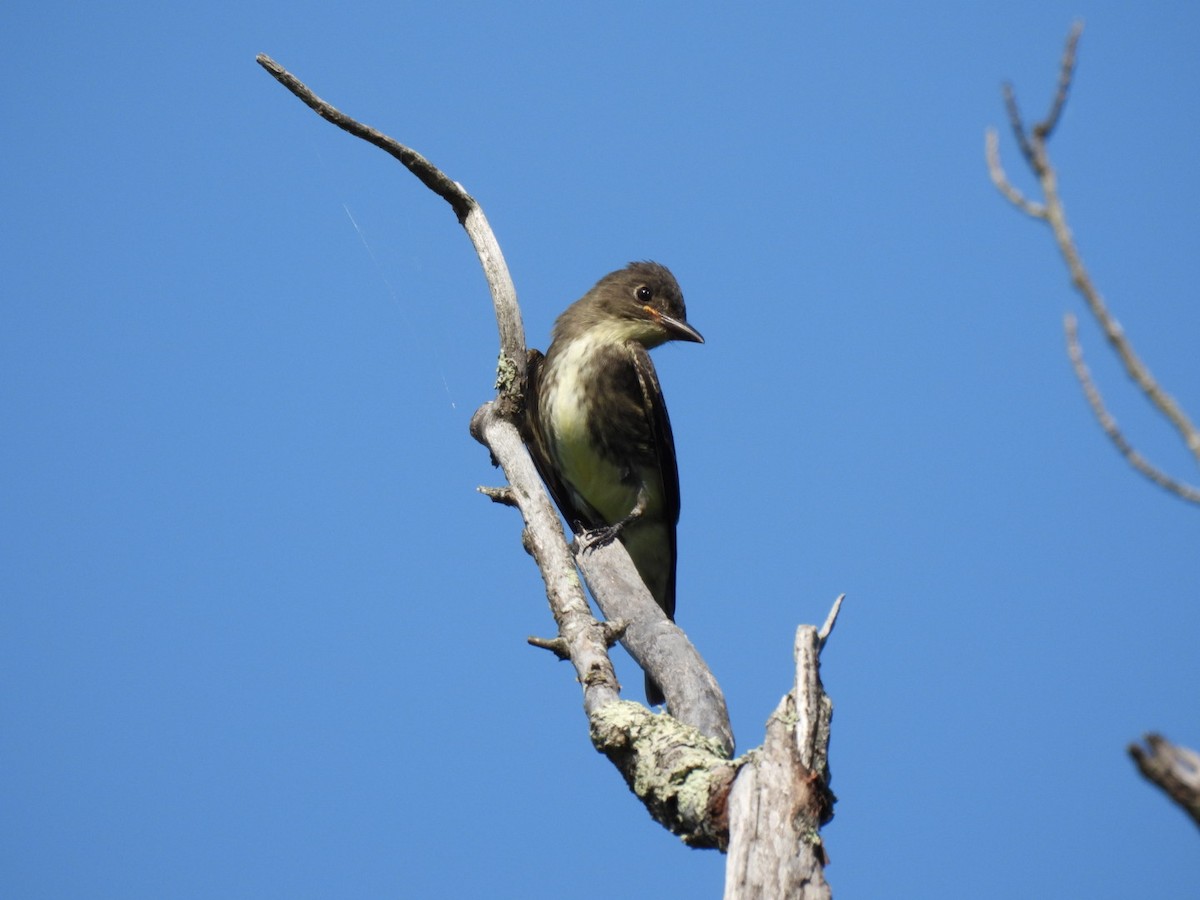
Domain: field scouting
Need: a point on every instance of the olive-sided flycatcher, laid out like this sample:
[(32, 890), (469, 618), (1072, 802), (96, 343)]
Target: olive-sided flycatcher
[(597, 425)]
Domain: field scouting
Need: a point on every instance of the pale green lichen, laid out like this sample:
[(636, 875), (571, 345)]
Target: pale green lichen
[(507, 375), (671, 767)]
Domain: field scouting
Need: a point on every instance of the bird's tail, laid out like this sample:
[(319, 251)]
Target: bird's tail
[(654, 694)]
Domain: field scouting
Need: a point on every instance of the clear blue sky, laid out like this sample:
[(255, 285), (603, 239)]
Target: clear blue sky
[(260, 637)]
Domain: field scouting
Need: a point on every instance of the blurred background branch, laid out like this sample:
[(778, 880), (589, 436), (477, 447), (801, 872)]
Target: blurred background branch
[(1032, 143)]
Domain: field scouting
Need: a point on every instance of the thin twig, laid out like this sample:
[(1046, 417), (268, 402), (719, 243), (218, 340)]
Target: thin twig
[(1000, 179), (431, 176), (1017, 124), (557, 646), (502, 495), (510, 379), (1113, 332), (830, 620), (1109, 424), (1066, 71)]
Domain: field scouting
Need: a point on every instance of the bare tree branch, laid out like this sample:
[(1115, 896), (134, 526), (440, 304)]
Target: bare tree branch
[(1174, 769), (1017, 124), (1000, 179), (432, 177), (781, 798), (693, 695), (580, 635), (1109, 424), (1066, 71), (830, 620), (1032, 143), (511, 377)]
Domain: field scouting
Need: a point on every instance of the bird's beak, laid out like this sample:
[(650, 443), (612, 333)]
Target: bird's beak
[(678, 329)]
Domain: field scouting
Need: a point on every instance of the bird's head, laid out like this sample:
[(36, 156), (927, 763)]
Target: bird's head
[(641, 302)]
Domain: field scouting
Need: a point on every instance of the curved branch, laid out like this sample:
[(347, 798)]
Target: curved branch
[(431, 176), (511, 377), (1000, 179)]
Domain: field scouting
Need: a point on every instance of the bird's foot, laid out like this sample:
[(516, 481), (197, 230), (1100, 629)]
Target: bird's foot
[(597, 537)]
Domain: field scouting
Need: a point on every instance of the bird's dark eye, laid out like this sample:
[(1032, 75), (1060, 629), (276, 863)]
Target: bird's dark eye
[(644, 294)]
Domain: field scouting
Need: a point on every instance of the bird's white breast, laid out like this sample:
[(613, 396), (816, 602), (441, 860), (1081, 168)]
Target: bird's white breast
[(594, 477)]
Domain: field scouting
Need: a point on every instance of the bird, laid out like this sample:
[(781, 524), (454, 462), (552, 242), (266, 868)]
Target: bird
[(597, 427)]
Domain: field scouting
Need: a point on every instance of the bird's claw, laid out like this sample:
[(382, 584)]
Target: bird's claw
[(596, 537)]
